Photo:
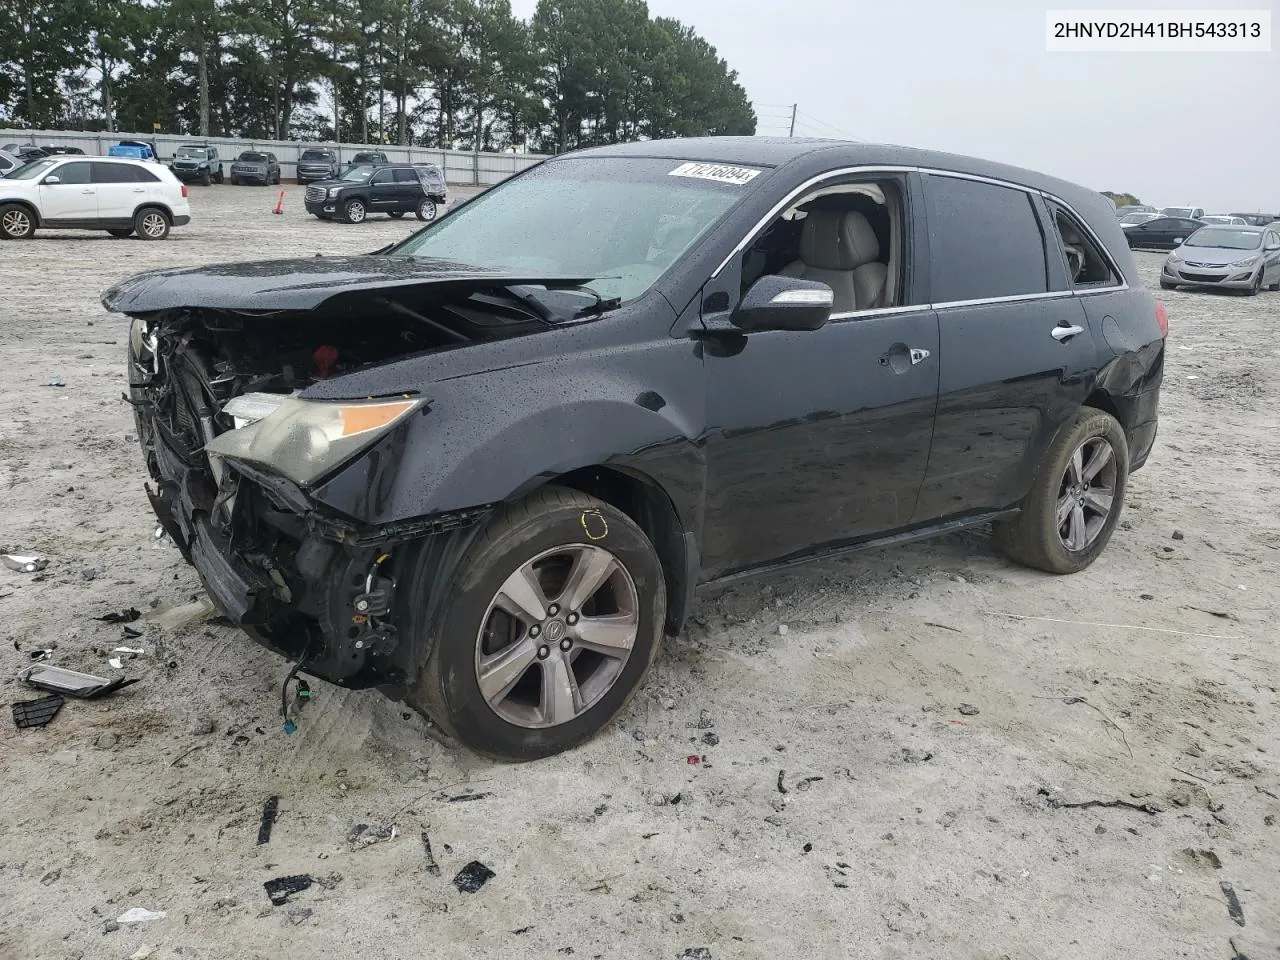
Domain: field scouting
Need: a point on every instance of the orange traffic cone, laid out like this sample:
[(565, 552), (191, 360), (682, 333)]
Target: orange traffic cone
[(279, 203)]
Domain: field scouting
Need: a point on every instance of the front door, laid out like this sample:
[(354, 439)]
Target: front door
[(815, 439), (382, 192), (72, 199), (1016, 350)]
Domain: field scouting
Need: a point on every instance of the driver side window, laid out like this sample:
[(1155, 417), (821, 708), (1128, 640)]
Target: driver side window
[(849, 237)]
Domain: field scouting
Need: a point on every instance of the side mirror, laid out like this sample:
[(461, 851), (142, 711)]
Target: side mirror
[(784, 303), (1177, 241), (51, 180)]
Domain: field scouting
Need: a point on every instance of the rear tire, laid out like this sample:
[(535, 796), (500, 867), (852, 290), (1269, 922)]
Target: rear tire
[(552, 681), (426, 210), (151, 223), (16, 222), (1037, 536)]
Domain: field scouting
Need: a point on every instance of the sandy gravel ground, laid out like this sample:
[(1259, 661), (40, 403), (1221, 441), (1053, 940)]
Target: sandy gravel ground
[(903, 772)]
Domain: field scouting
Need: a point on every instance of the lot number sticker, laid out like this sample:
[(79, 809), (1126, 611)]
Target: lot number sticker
[(720, 172)]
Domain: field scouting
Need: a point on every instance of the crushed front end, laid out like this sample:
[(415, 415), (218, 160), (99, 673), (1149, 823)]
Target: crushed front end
[(301, 578)]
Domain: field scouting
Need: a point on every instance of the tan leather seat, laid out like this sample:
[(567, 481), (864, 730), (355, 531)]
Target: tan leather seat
[(839, 248)]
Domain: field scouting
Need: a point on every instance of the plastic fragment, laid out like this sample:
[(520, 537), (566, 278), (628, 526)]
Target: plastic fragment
[(36, 713), (24, 563), (140, 915), (473, 876)]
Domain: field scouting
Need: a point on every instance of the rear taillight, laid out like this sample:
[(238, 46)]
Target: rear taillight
[(1162, 320), (184, 191)]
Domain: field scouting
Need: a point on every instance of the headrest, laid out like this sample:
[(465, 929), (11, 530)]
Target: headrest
[(837, 240)]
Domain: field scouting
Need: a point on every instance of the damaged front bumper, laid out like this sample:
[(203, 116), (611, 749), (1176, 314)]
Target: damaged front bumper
[(313, 586)]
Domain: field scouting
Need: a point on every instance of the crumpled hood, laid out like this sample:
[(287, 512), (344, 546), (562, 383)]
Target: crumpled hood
[(300, 284)]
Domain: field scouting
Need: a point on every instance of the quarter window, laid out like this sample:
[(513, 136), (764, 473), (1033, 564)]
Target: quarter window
[(984, 241), (1086, 266)]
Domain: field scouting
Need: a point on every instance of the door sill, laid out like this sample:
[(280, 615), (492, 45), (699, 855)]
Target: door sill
[(889, 540)]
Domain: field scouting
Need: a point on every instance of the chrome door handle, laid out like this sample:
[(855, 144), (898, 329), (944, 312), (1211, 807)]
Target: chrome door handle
[(139, 189), (917, 355), (86, 191), (1065, 333)]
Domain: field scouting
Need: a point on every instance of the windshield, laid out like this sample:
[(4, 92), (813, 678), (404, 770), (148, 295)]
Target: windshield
[(1225, 239), (315, 155), (253, 157), (192, 153), (32, 170), (621, 222), (358, 174), (1177, 211)]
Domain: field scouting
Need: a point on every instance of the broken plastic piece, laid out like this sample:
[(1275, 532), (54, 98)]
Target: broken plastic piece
[(473, 876), (116, 662), (282, 888), (23, 563), (36, 713), (128, 650), (85, 686), (270, 812), (174, 616), (124, 616), (140, 915)]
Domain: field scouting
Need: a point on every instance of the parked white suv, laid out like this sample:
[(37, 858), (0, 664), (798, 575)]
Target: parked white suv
[(120, 196)]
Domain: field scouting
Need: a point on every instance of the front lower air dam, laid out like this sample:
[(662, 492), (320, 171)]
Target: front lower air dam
[(305, 439)]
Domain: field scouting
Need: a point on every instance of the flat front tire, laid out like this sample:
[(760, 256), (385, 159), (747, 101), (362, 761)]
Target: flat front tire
[(545, 630), (16, 222), (1074, 503)]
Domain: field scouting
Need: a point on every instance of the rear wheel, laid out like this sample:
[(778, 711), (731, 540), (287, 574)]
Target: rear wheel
[(151, 223), (16, 222), (1275, 286), (426, 210), (122, 233), (1075, 500), (546, 628), (354, 212)]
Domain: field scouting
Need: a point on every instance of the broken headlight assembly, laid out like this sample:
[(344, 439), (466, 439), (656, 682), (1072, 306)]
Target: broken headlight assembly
[(303, 439)]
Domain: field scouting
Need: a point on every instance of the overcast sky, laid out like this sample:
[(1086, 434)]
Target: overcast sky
[(1174, 128)]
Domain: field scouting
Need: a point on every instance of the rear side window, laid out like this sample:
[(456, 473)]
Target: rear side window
[(984, 241), (406, 176), (121, 173)]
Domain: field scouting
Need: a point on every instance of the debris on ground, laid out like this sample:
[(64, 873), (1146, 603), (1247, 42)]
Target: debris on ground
[(24, 563), (363, 835), (695, 953), (56, 382), (84, 686), (473, 876), (693, 760), (464, 797), (710, 739), (142, 953), (804, 784), (1177, 535), (297, 915), (202, 727), (123, 616), (781, 787), (281, 889), (916, 756), (968, 710), (1056, 802), (1234, 910), (1206, 858), (270, 812), (110, 926), (172, 616), (89, 573), (433, 868), (140, 915), (704, 720), (28, 714)]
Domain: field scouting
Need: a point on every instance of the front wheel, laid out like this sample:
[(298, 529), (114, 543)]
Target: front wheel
[(16, 222), (546, 628), (426, 210), (1255, 286), (205, 179), (354, 211), (1075, 500), (151, 224)]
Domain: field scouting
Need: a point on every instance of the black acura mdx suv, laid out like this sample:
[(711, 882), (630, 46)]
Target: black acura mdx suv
[(486, 468)]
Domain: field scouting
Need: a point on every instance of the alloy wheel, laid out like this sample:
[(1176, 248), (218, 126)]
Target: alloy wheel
[(355, 211), (557, 635), (1087, 493), (153, 225), (17, 223)]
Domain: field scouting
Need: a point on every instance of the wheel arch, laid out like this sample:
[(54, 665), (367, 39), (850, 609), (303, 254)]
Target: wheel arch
[(644, 500), (26, 205), (1100, 399), (156, 204)]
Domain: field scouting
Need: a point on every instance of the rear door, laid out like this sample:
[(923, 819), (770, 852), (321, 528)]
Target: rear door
[(73, 199), (119, 190), (409, 192), (1016, 356)]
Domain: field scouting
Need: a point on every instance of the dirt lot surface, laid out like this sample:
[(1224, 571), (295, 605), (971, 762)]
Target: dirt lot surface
[(890, 766)]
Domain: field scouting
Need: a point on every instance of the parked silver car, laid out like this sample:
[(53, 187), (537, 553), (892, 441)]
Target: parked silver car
[(1187, 213), (1237, 258), (8, 163), (1133, 218)]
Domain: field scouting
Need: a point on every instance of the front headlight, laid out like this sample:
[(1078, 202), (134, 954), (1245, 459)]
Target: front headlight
[(1174, 258), (1247, 261), (333, 192), (304, 439)]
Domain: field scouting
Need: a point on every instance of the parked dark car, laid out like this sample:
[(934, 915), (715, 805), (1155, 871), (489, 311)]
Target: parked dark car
[(318, 163), (1162, 233), (487, 468), (1242, 258), (1258, 219), (253, 166), (374, 158), (394, 189), (26, 152), (198, 163)]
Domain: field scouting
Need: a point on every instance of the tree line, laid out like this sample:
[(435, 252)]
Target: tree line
[(463, 74)]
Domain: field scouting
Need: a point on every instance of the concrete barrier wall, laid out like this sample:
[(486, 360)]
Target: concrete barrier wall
[(461, 167)]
